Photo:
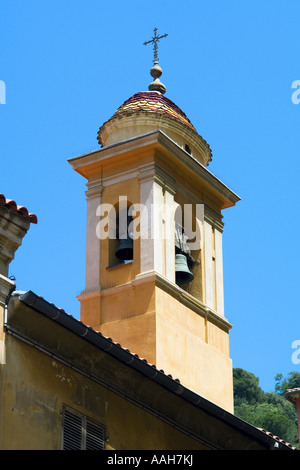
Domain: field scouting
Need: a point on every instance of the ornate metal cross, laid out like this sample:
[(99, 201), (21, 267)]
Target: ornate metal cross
[(155, 40)]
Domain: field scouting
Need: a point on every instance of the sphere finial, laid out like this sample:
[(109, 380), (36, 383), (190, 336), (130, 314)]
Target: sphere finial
[(156, 85)]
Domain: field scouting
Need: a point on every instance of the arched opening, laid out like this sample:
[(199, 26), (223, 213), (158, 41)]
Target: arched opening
[(188, 274), (121, 243)]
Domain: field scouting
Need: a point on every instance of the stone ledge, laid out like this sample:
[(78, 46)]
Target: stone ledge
[(165, 284), (13, 228), (6, 285)]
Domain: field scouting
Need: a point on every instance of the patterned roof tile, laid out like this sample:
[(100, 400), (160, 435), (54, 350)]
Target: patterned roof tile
[(153, 102)]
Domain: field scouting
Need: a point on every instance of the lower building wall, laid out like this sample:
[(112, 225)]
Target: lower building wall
[(35, 388)]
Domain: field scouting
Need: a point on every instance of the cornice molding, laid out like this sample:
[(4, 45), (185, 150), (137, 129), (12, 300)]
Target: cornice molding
[(165, 284), (159, 140), (94, 189)]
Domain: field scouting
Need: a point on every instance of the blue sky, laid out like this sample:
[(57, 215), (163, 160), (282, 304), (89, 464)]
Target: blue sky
[(67, 66)]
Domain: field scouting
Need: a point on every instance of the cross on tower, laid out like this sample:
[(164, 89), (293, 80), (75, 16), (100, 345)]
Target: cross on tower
[(155, 40)]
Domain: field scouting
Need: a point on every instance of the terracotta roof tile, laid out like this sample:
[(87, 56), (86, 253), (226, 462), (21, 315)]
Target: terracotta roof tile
[(277, 438), (12, 205)]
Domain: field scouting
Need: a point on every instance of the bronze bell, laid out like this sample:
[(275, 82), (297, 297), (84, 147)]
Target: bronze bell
[(125, 250), (182, 272)]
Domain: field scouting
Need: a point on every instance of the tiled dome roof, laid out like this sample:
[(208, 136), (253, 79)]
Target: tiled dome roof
[(154, 102), (150, 102), (148, 111)]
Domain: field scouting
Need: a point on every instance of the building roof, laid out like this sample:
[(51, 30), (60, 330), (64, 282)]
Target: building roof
[(13, 206), (292, 394), (153, 102), (159, 377)]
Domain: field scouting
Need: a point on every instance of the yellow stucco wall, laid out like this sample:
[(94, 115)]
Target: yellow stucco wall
[(36, 387), (186, 350), (187, 343)]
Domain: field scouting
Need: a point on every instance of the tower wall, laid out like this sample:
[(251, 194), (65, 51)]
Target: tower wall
[(181, 329)]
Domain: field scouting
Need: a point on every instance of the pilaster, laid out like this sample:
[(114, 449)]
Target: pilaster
[(93, 244), (213, 261), (157, 190)]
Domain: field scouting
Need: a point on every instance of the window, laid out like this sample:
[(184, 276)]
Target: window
[(187, 148), (81, 433)]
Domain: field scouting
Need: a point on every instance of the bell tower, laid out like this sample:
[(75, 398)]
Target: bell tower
[(154, 274)]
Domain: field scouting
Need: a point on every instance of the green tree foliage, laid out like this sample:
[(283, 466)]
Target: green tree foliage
[(292, 381), (246, 388), (269, 411)]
